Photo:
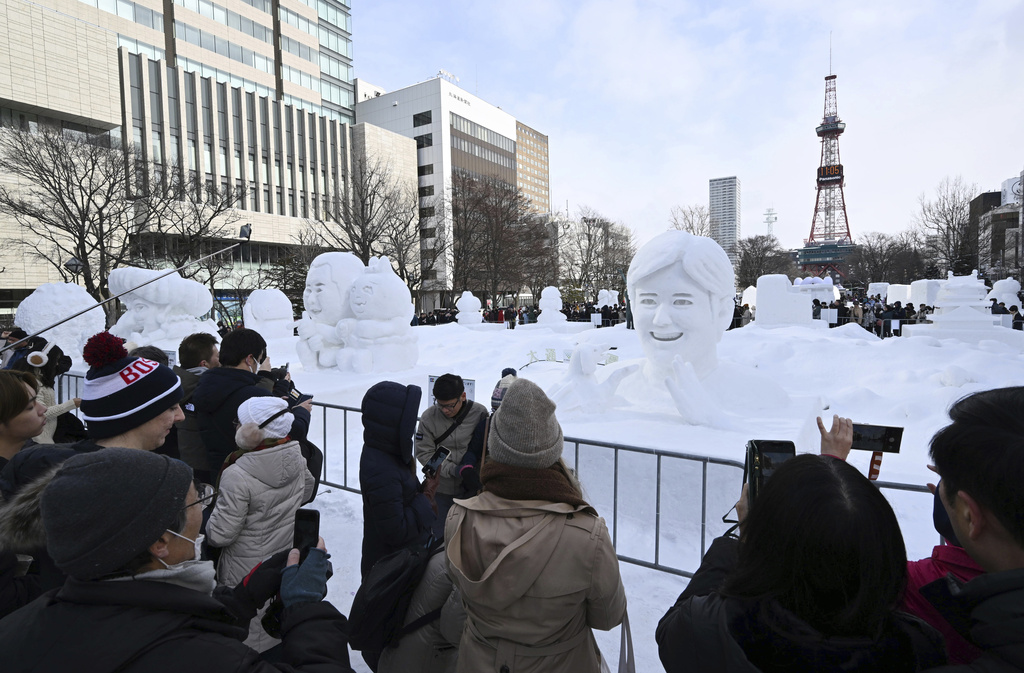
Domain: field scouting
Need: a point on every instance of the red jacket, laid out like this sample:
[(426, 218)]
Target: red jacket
[(945, 559)]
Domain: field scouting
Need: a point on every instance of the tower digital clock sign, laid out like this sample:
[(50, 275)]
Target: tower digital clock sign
[(829, 173)]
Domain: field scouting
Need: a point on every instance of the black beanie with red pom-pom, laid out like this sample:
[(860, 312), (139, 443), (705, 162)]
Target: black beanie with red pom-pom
[(121, 393)]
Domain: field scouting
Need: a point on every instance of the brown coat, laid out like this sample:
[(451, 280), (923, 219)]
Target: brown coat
[(535, 578)]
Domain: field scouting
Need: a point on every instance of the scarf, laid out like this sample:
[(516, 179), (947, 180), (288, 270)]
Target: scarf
[(521, 483), (196, 575)]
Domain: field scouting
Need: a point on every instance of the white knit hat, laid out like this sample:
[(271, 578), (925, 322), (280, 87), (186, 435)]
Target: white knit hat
[(254, 412)]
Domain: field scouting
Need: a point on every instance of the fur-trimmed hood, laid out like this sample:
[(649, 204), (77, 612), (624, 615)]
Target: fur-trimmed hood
[(21, 520)]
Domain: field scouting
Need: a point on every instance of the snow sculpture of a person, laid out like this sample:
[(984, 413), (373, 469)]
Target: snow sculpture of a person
[(680, 287), (53, 302), (1005, 291), (326, 304), (379, 337), (469, 309), (163, 312), (269, 312), (550, 306)]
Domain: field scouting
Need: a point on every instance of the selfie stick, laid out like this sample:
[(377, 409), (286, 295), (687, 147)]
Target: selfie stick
[(876, 465), (116, 296)]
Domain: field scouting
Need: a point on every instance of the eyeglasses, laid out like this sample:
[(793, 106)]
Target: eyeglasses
[(205, 495), (449, 407)]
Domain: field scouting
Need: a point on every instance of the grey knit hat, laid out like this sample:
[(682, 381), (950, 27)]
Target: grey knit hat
[(104, 508), (524, 431)]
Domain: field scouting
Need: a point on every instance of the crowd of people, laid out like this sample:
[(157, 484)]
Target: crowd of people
[(163, 538)]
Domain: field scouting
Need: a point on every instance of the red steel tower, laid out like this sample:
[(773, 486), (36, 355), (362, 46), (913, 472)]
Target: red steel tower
[(830, 231)]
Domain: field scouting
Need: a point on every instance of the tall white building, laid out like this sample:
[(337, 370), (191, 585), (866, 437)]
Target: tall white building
[(724, 213), (456, 131)]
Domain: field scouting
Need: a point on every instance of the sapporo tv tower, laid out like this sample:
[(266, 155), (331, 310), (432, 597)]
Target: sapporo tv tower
[(830, 240)]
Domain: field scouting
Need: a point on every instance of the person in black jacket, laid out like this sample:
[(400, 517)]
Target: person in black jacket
[(980, 457), (138, 598), (397, 510), (811, 585), (244, 372)]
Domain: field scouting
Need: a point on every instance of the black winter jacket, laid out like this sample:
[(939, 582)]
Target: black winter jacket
[(988, 611), (151, 627), (395, 513), (705, 631), (216, 400)]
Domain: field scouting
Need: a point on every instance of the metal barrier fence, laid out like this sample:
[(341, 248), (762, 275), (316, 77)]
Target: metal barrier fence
[(619, 484)]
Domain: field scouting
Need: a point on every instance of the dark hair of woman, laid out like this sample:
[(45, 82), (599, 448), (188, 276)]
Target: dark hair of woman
[(824, 543), (13, 396)]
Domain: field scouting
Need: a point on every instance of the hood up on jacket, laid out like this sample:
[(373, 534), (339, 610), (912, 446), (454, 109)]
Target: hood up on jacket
[(21, 519), (389, 418), (498, 585), (274, 466)]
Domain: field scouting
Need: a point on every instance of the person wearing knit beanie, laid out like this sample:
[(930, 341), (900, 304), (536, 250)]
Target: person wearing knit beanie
[(127, 402), (508, 375), (524, 431), (102, 509), (260, 419)]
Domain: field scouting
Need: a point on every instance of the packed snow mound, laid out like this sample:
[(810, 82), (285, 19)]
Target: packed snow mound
[(53, 302), (269, 312)]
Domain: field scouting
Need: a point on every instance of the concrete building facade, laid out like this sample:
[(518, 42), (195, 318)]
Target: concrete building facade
[(455, 131), (247, 93), (724, 213)]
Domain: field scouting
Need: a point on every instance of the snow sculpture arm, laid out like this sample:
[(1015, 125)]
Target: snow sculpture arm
[(693, 402)]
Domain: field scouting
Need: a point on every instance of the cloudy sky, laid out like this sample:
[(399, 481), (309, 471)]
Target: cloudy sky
[(645, 100)]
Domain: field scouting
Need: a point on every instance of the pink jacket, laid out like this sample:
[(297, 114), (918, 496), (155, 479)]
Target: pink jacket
[(945, 559)]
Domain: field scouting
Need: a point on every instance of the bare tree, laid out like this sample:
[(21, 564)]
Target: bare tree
[(946, 224), (288, 273), (759, 256), (73, 198), (595, 252), (889, 258), (495, 235), (693, 219), (377, 208)]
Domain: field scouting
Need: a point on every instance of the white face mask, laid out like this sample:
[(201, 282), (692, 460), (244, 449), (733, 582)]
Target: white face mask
[(197, 554)]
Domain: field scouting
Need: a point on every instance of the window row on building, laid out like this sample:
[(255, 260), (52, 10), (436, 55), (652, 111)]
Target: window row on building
[(290, 161), (225, 16), (482, 133)]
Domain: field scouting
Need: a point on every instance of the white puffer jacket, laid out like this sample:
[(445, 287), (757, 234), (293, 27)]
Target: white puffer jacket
[(255, 512)]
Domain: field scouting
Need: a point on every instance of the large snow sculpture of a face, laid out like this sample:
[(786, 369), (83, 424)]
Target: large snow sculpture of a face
[(379, 294), (164, 309), (681, 293), (327, 286)]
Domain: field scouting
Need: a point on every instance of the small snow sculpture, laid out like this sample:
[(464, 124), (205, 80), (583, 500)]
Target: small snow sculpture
[(469, 309), (607, 298), (1005, 291), (962, 313), (53, 302), (270, 313), (362, 326), (580, 389), (325, 301), (163, 312), (781, 304), (550, 306)]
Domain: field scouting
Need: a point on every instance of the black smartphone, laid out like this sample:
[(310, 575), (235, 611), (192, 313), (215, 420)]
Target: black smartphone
[(764, 456), (307, 531), (877, 438), (434, 464), (296, 398)]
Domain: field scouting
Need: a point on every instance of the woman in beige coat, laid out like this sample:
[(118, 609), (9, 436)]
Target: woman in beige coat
[(263, 485), (532, 559)]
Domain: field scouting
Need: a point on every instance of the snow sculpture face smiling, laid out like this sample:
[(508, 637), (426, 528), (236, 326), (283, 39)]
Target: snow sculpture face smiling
[(323, 298), (680, 290)]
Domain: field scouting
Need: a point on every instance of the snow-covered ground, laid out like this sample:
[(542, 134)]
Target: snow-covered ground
[(786, 376), (908, 382)]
